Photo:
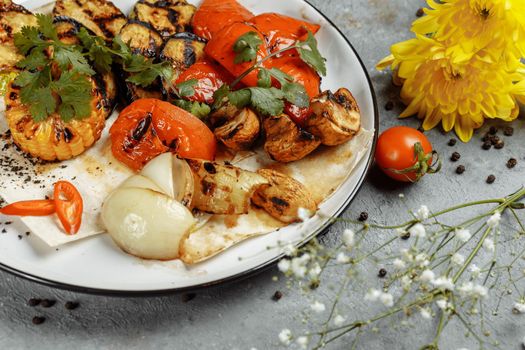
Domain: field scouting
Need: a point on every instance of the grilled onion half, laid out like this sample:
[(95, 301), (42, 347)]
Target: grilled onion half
[(53, 139)]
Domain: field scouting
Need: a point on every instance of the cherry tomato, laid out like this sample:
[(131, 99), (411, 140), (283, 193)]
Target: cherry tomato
[(282, 31), (210, 76), (297, 114), (149, 127), (213, 15), (220, 48), (69, 206), (29, 208), (405, 154)]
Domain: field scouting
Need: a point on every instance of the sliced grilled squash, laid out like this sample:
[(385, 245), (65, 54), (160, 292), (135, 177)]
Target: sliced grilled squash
[(12, 18), (142, 38), (168, 17), (102, 17), (53, 139)]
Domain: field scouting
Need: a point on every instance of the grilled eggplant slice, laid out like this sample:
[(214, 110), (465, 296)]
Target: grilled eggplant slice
[(335, 118), (102, 17), (12, 18), (68, 29), (223, 189), (53, 139), (241, 131), (285, 141), (142, 38), (284, 197), (168, 17), (134, 92)]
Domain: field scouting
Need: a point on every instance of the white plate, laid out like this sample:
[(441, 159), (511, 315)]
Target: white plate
[(96, 266)]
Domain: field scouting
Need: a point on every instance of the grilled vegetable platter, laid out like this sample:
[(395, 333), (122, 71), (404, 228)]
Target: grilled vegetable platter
[(180, 130)]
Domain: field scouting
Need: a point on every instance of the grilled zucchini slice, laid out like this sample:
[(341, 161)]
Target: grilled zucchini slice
[(142, 38), (182, 50), (168, 17), (12, 18), (102, 17)]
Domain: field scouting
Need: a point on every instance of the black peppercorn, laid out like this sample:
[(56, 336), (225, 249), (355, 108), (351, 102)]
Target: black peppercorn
[(277, 296), (493, 130), (34, 302), (38, 320), (420, 12), (382, 273), (499, 145), (460, 169), (487, 145), (47, 303), (406, 236), (491, 179), (509, 131), (512, 163), (494, 140), (363, 216), (389, 106), (486, 138), (455, 157), (452, 142), (71, 305)]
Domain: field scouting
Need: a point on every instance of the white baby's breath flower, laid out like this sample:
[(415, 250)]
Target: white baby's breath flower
[(472, 290), (406, 282), (443, 304), (285, 337), (457, 259), (494, 220), (444, 283), (520, 307), (475, 270), (289, 249), (422, 260), (302, 342), (427, 276), (463, 235), (318, 307), (372, 295), (342, 258), (401, 232), (401, 195), (407, 255), (488, 244), (315, 271), (298, 265), (348, 237), (339, 320), (304, 214), (399, 264), (422, 213), (387, 299), (284, 265), (418, 230), (480, 291), (425, 313)]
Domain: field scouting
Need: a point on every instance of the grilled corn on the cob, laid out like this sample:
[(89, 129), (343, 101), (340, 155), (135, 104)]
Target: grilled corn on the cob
[(53, 139)]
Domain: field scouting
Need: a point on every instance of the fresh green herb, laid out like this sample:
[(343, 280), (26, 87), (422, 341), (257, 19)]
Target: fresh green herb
[(200, 110), (246, 47), (186, 88), (310, 54), (96, 51)]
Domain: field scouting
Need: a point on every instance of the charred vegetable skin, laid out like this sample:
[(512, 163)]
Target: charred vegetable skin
[(102, 17), (167, 17), (223, 189), (239, 128), (335, 118), (54, 139), (12, 18), (284, 196), (142, 38), (285, 141)]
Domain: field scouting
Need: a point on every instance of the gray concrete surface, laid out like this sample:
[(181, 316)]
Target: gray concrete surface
[(242, 315)]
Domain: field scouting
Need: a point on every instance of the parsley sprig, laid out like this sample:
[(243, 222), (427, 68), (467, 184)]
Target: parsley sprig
[(266, 99)]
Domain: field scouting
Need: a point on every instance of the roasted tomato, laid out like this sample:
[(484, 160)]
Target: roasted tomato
[(149, 127), (405, 154), (213, 15), (300, 72), (210, 75), (220, 48), (282, 31)]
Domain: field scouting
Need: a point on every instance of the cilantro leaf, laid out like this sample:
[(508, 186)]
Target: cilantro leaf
[(240, 98), (35, 60), (264, 78), (220, 96), (68, 58), (144, 71), (75, 95), (97, 51), (200, 110), (27, 39), (246, 47), (281, 76), (310, 54), (267, 101), (296, 94), (186, 88), (46, 26), (41, 103)]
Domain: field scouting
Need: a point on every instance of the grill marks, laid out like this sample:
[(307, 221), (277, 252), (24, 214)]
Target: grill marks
[(167, 17)]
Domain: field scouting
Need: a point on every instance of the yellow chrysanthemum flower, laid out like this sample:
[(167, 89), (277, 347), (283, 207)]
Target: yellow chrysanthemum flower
[(459, 95), (495, 26)]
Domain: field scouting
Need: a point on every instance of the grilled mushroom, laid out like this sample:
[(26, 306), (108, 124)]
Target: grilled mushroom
[(102, 17), (223, 189), (285, 141), (168, 17), (240, 132), (335, 118), (12, 18), (142, 38), (284, 197)]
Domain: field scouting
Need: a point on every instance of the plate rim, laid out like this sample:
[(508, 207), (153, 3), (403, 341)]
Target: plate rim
[(247, 273)]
